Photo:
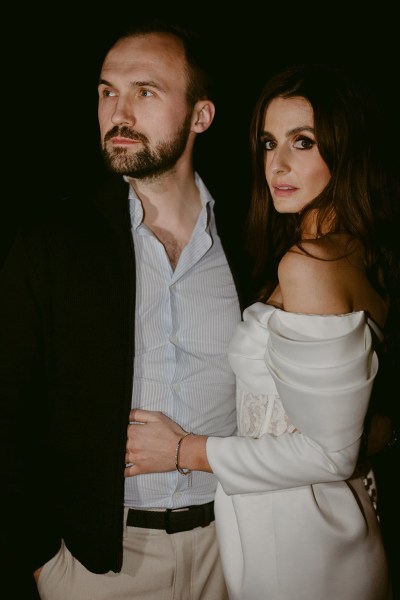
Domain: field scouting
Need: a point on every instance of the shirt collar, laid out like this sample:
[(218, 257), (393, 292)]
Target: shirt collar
[(136, 208)]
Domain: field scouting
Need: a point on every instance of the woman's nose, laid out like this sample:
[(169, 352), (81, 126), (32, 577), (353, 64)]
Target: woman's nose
[(279, 162)]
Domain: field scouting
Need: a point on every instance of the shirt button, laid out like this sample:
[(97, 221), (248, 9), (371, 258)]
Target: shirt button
[(176, 387), (173, 339)]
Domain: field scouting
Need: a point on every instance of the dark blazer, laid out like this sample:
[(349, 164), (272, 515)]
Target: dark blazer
[(67, 293)]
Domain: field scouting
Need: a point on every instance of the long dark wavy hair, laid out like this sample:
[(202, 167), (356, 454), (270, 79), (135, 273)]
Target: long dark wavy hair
[(361, 199)]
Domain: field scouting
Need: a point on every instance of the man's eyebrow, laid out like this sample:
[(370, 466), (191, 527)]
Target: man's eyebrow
[(146, 83)]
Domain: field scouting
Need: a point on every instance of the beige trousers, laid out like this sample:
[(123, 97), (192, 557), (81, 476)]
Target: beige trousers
[(156, 566)]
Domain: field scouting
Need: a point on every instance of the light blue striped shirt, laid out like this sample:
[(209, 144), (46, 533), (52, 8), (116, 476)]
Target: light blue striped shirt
[(183, 323)]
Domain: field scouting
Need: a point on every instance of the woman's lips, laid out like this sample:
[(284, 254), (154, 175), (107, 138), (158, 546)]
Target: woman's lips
[(284, 190)]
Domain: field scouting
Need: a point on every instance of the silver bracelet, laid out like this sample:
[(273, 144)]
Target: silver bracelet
[(178, 447)]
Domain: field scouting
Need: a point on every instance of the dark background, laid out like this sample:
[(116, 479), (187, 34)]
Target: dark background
[(51, 60), (51, 56)]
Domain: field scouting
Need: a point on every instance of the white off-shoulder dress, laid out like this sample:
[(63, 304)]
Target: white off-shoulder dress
[(293, 522)]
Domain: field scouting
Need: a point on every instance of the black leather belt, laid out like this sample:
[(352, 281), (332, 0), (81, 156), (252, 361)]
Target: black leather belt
[(172, 520)]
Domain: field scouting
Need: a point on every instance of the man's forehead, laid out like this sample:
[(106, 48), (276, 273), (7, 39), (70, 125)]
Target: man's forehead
[(148, 54), (150, 47)]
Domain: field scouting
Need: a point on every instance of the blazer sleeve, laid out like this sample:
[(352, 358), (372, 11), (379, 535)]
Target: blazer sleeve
[(27, 510)]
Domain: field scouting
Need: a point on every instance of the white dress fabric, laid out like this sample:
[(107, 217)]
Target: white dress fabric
[(293, 520)]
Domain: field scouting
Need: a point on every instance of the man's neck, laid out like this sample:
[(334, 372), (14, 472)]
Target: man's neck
[(171, 207)]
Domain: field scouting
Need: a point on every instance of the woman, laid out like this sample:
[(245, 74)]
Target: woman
[(293, 514)]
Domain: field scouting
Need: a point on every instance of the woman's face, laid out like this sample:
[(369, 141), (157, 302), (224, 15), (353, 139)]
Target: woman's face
[(294, 169)]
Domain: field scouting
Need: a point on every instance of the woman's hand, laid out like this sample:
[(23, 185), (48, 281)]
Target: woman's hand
[(151, 442)]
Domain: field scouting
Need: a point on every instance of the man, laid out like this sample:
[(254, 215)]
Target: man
[(119, 301)]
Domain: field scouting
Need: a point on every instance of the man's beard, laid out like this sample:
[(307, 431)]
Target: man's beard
[(146, 163)]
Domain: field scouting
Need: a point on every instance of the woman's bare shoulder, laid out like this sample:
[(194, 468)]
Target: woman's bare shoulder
[(314, 278)]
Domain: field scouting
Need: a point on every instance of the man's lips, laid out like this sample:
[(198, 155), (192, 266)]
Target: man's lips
[(122, 141), (123, 136)]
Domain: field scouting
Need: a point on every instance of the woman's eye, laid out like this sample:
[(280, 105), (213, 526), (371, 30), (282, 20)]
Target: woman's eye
[(304, 143), (268, 144)]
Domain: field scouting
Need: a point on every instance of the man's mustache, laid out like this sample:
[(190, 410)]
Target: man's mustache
[(125, 132)]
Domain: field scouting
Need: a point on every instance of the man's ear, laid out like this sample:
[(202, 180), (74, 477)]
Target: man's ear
[(203, 115)]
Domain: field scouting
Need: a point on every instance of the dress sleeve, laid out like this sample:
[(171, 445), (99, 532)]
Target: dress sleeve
[(323, 368)]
